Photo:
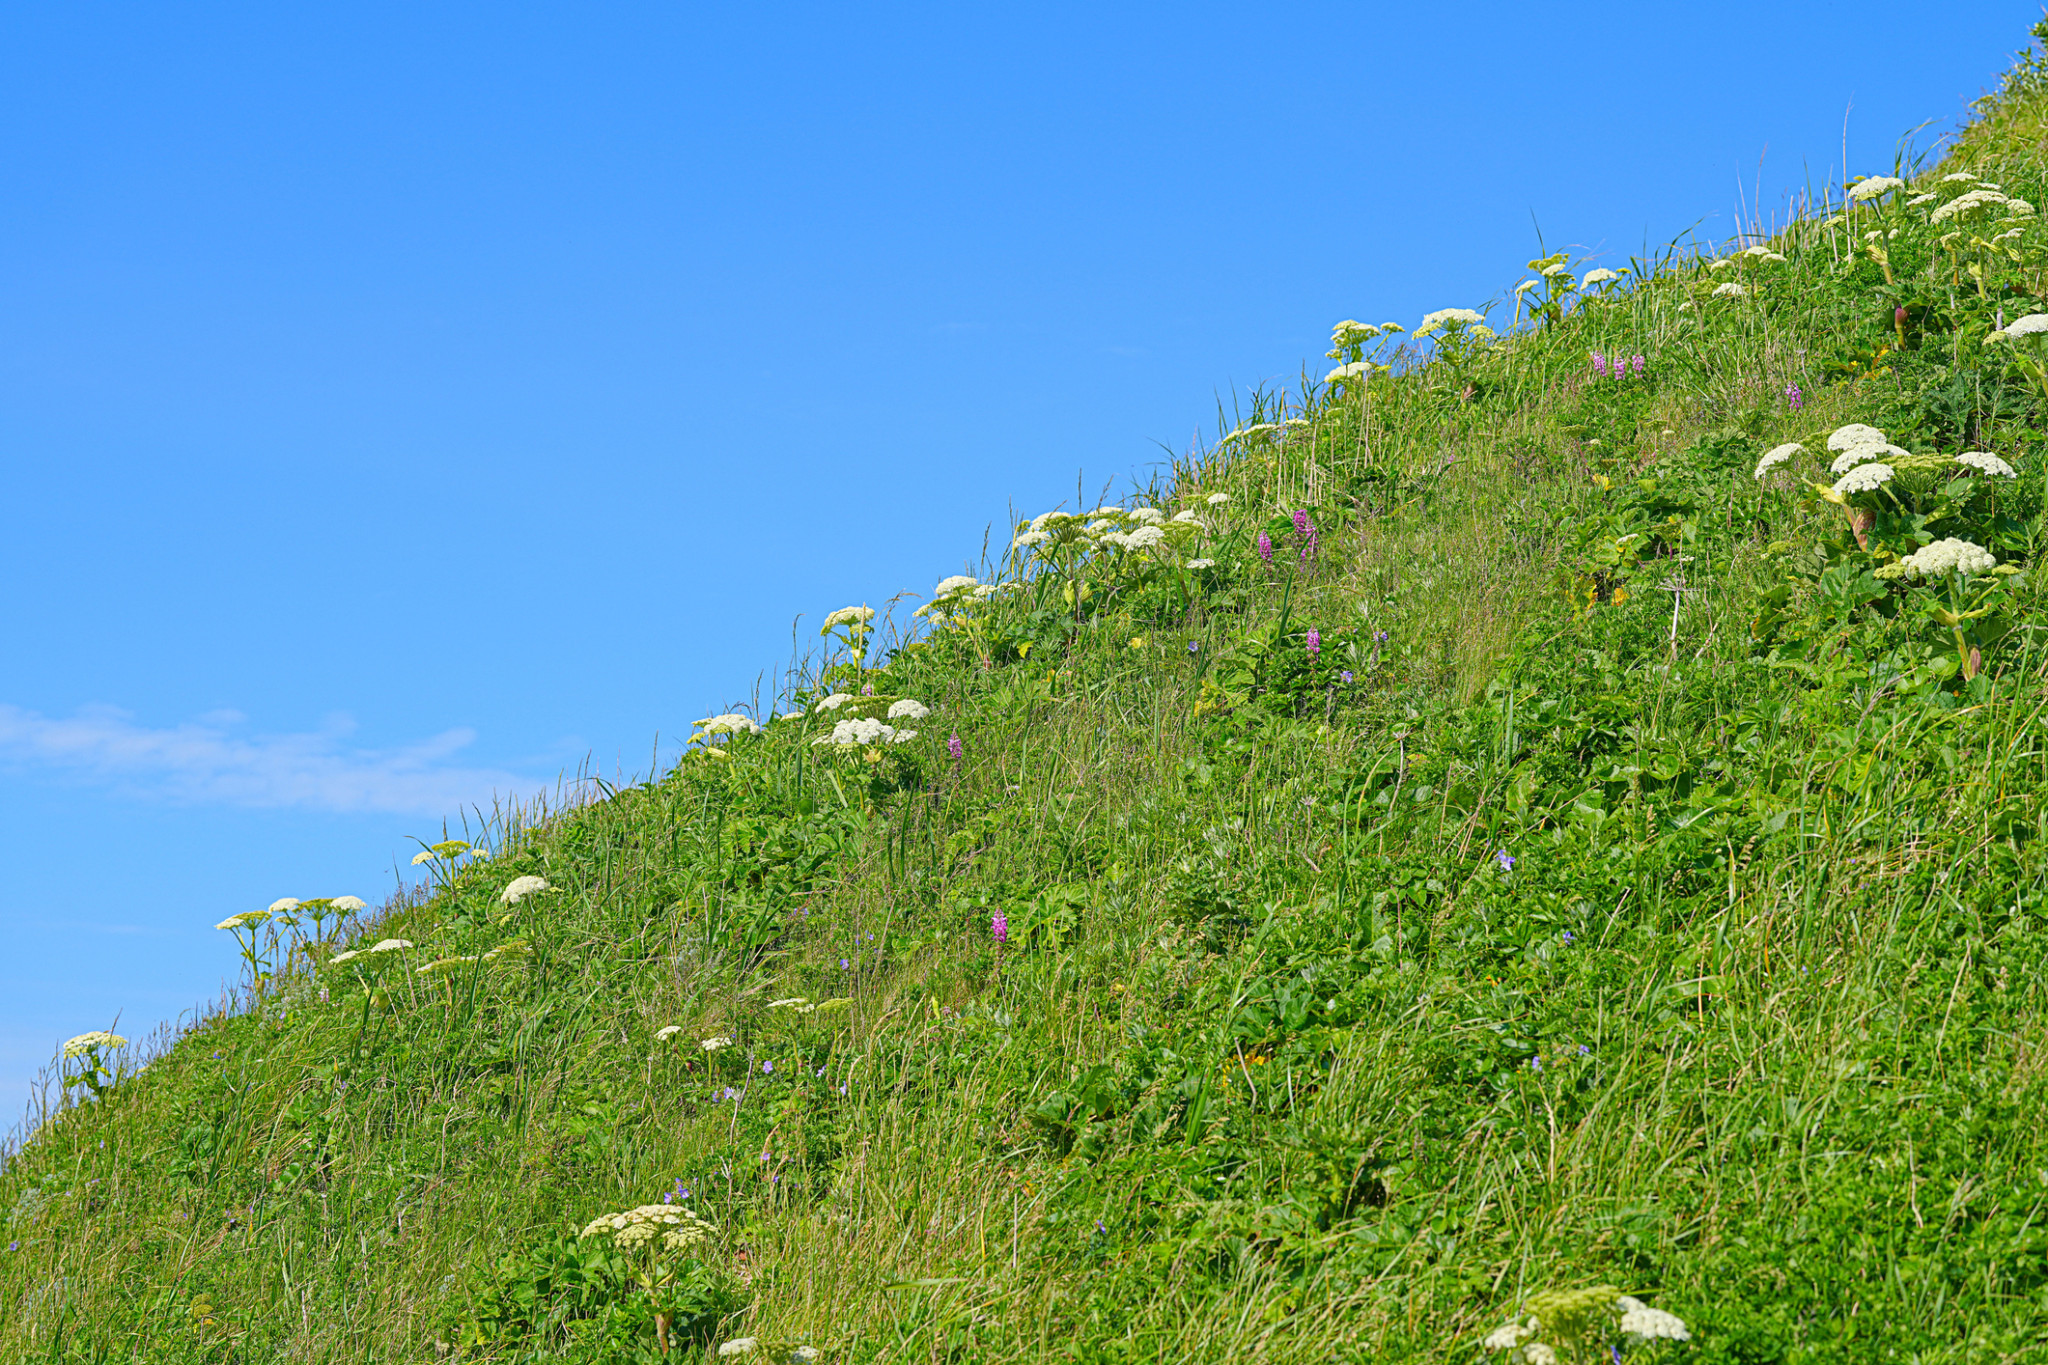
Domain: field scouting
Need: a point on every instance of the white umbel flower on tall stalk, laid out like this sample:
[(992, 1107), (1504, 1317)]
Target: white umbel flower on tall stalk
[(86, 1042), (1863, 191), (1854, 434), (959, 582), (1864, 478), (1949, 556), (1967, 203), (1445, 317), (1638, 1319), (850, 616), (1731, 290), (833, 702), (1600, 275), (519, 888), (1217, 499), (1356, 370), (1863, 454), (731, 723), (1984, 462), (913, 710), (1776, 456)]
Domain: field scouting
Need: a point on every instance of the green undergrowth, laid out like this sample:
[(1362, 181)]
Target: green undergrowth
[(1536, 848)]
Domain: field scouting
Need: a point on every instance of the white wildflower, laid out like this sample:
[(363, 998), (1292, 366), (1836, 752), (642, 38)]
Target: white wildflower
[(1599, 276), (1917, 200), (1508, 1337), (1985, 462), (348, 956), (1953, 176), (1217, 499), (1201, 563), (1357, 369), (243, 920), (738, 1346), (284, 905), (849, 616), (1865, 190), (902, 736), (1144, 538), (1536, 1353), (2028, 325), (1651, 1324), (390, 945), (1552, 271), (1189, 519), (716, 1042), (1855, 434), (2019, 208), (1447, 317), (667, 1033), (1730, 290), (833, 702), (959, 582), (915, 710), (425, 855), (1147, 516), (1029, 539), (731, 723), (1949, 556), (519, 888), (85, 1042), (1864, 478), (1863, 454), (348, 905), (1526, 285), (1720, 263), (1967, 203), (789, 1003), (1777, 455)]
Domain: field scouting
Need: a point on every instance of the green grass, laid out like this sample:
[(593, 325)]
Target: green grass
[(1280, 1060)]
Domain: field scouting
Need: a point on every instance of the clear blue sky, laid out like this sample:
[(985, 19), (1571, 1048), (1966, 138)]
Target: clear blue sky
[(400, 403)]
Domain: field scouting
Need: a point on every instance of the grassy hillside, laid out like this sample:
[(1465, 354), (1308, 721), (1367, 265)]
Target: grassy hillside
[(1524, 831)]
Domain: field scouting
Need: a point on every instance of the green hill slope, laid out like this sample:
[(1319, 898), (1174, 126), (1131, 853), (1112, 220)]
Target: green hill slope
[(1502, 825)]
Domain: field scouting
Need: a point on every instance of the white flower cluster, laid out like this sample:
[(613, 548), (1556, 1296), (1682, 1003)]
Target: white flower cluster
[(86, 1042), (1357, 370), (849, 616), (1971, 202), (519, 888), (1865, 190), (2033, 324), (1984, 462), (1864, 478), (677, 1226), (1638, 1319), (863, 732), (1777, 455), (955, 594), (1432, 323), (1348, 333), (731, 723), (1730, 290), (1108, 528), (1949, 556), (1859, 444)]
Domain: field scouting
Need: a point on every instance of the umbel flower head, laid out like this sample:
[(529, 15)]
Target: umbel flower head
[(1867, 454), (284, 905), (348, 905), (676, 1225), (1864, 478), (1854, 434), (1984, 462), (1872, 187), (519, 888), (243, 920), (86, 1042), (908, 708), (1777, 455), (847, 616), (1433, 323), (731, 723), (1945, 557)]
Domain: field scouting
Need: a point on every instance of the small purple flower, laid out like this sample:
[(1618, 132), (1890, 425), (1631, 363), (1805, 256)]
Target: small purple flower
[(14, 1245), (1506, 860), (844, 964), (1315, 642), (767, 1068), (1379, 637), (867, 690), (953, 747), (1636, 364), (1793, 398), (1301, 522), (1345, 676), (1567, 936), (1599, 365), (1584, 1050), (999, 927), (1535, 1063), (1194, 646), (1265, 547)]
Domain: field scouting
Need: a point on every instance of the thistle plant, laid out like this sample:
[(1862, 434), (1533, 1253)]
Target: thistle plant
[(95, 1073), (1582, 1326)]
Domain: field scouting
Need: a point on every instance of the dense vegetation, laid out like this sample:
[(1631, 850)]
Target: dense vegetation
[(1521, 829)]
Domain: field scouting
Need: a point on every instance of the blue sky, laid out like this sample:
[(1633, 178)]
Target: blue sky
[(402, 404)]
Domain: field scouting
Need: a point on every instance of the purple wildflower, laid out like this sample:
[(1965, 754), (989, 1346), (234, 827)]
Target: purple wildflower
[(1301, 522), (14, 1245), (1506, 860), (767, 1068), (953, 747), (844, 964), (1567, 936), (1345, 676), (1194, 646), (999, 927), (1636, 364), (1599, 365), (867, 689), (1315, 642), (1793, 398), (1379, 637), (1265, 547)]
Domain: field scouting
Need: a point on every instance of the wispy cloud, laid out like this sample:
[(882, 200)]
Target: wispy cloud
[(209, 760)]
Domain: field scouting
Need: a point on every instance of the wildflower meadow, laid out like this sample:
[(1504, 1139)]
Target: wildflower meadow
[(1528, 846)]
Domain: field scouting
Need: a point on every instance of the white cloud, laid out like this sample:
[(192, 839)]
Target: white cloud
[(204, 760)]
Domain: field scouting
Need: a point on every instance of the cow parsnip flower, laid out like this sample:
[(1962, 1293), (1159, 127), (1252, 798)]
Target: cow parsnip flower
[(908, 707), (1199, 564), (1984, 462), (348, 905), (1600, 275), (1776, 456), (1217, 499), (2030, 325), (243, 920), (1507, 1337), (1954, 176), (1189, 519), (284, 905), (1526, 285), (1447, 317), (1854, 434), (849, 616), (833, 702), (1863, 191), (1147, 516), (731, 723), (390, 945), (1638, 1319), (1357, 369), (1732, 289), (442, 965), (1867, 453), (668, 1032), (1864, 478), (339, 958), (425, 855), (717, 1042), (1917, 200), (1949, 556), (86, 1042), (519, 888)]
